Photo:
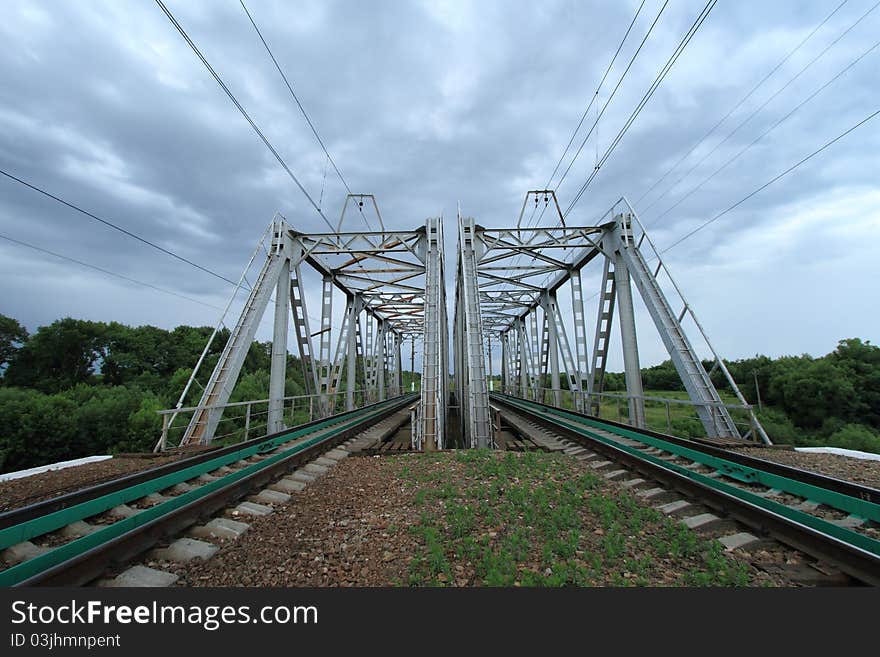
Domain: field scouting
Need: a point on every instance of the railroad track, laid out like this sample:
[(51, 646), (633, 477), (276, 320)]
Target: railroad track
[(75, 538), (835, 522)]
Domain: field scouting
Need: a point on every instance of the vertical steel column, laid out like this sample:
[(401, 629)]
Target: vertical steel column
[(397, 365), (536, 356), (432, 403), (382, 343), (354, 310), (629, 341), (324, 356), (580, 334), (523, 358), (278, 366), (472, 376), (412, 365), (548, 304), (505, 371)]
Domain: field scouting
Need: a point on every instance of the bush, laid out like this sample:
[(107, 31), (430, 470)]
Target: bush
[(780, 429), (37, 429), (688, 428), (855, 436)]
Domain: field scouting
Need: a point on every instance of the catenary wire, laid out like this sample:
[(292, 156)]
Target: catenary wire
[(771, 181), (743, 150), (741, 101), (114, 226), (707, 9), (242, 110), (105, 271), (763, 105), (300, 106)]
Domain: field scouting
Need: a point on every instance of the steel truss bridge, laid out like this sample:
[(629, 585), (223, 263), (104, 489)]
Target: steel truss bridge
[(520, 288)]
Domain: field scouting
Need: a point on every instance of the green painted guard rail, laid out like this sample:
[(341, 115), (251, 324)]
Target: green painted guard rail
[(53, 521)]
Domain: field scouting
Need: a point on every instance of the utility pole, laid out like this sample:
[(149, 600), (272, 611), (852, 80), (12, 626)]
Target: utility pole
[(758, 390)]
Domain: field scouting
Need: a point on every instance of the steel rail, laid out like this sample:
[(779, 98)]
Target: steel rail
[(66, 500), (85, 558), (856, 554)]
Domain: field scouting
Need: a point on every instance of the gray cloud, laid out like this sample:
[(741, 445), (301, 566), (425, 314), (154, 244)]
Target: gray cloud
[(427, 105)]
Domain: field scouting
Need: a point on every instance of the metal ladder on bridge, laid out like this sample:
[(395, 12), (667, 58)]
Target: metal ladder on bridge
[(604, 320)]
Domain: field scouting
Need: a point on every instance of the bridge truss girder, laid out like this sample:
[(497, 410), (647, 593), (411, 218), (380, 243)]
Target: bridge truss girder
[(518, 274), (384, 277)]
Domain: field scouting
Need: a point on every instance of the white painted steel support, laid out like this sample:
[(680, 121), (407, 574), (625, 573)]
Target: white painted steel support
[(519, 272), (278, 365), (381, 273), (222, 380), (632, 370), (471, 389), (324, 355)]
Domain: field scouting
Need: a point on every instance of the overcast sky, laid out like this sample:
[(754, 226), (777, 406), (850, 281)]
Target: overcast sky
[(431, 104)]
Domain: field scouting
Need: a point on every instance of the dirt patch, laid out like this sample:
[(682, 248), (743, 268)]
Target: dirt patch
[(467, 518)]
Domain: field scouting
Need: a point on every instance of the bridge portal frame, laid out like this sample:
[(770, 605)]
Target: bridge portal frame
[(518, 306), (388, 277)]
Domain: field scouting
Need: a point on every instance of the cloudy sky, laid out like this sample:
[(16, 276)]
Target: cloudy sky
[(431, 104)]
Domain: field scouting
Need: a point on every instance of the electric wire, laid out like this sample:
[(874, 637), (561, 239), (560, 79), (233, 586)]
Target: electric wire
[(742, 151), (595, 96), (764, 104), (595, 99), (114, 226), (611, 96), (741, 102), (771, 181), (301, 108), (106, 271), (242, 110), (707, 9)]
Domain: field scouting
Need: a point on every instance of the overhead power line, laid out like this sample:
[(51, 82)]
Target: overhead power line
[(779, 122), (243, 112), (707, 9), (105, 271), (765, 103), (595, 95), (304, 113), (611, 96), (741, 102), (771, 181), (594, 99), (116, 227)]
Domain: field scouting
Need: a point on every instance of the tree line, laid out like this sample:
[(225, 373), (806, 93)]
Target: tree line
[(831, 400), (77, 387)]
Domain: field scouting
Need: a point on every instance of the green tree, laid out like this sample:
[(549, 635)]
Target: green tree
[(58, 356), (12, 336), (37, 429)]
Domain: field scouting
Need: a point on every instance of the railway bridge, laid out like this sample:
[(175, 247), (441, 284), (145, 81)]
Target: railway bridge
[(518, 290), (526, 372)]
